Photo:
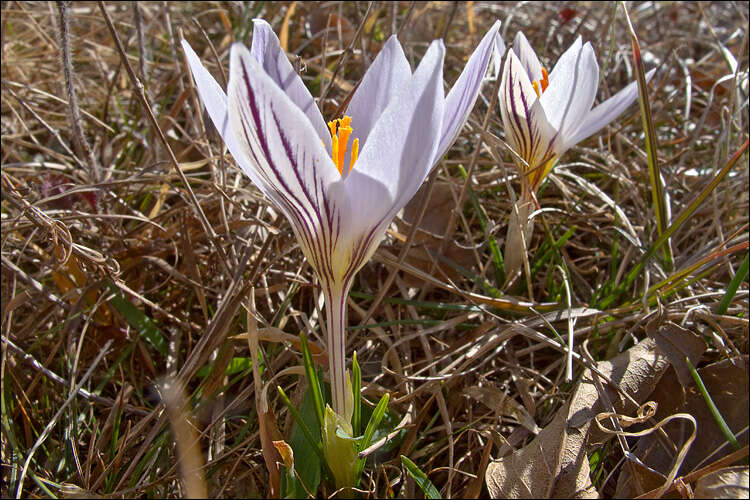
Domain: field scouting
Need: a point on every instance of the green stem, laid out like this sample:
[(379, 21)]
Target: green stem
[(335, 298)]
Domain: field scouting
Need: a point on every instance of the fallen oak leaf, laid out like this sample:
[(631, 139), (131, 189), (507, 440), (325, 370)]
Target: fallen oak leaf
[(729, 482), (556, 462)]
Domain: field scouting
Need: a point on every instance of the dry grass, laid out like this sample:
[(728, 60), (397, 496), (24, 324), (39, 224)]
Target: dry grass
[(118, 271)]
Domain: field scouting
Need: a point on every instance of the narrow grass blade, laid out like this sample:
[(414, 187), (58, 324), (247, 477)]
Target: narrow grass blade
[(551, 250), (420, 477), (712, 406), (673, 281), (377, 416), (144, 325), (739, 277), (681, 219), (657, 189), (315, 445), (356, 389), (497, 255), (312, 379)]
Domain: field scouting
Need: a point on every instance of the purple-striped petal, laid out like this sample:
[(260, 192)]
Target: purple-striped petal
[(267, 50), (527, 129), (215, 101), (463, 95), (289, 158), (528, 57)]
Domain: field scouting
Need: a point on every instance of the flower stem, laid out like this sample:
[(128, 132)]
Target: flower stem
[(335, 298), (519, 233)]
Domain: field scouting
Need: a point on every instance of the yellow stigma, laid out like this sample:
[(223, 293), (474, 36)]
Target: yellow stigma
[(340, 131), (544, 83)]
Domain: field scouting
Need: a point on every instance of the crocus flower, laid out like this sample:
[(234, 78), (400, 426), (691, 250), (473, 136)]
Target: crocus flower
[(339, 183), (545, 114)]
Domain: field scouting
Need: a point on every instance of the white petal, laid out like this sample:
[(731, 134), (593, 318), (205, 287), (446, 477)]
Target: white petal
[(527, 129), (527, 56), (463, 95), (268, 52), (607, 111), (295, 169), (572, 88), (215, 101), (398, 154), (387, 76)]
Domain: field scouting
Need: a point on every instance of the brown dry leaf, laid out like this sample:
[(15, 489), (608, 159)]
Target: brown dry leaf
[(428, 240), (555, 463), (498, 401), (728, 386), (730, 482), (677, 343), (286, 452), (436, 215)]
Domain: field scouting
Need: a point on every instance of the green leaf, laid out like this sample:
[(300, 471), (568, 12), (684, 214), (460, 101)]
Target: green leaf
[(144, 325), (712, 406), (657, 189), (739, 277), (420, 477), (372, 425), (357, 372), (307, 433), (312, 379), (340, 449), (306, 458), (238, 364)]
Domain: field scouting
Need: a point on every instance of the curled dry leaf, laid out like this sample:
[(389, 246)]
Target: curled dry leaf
[(555, 463), (727, 383), (730, 482)]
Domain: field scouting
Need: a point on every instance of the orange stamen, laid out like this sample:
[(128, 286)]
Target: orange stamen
[(541, 85), (341, 130), (355, 153)]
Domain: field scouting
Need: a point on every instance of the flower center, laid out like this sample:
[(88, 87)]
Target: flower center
[(543, 83), (340, 131)]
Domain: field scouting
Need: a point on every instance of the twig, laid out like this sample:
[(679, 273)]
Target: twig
[(342, 60), (141, 42), (142, 96), (45, 433), (57, 378), (74, 117)]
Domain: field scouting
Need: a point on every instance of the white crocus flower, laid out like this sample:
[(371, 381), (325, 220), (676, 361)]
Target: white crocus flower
[(338, 200), (544, 115)]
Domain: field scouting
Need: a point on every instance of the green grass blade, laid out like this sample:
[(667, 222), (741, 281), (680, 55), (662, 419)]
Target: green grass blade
[(144, 325), (377, 416), (657, 189), (315, 445), (420, 477), (712, 406), (356, 389), (497, 255), (739, 277), (312, 379), (681, 219)]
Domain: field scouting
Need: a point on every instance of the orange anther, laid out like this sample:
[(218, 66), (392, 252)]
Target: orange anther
[(341, 130), (535, 84)]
